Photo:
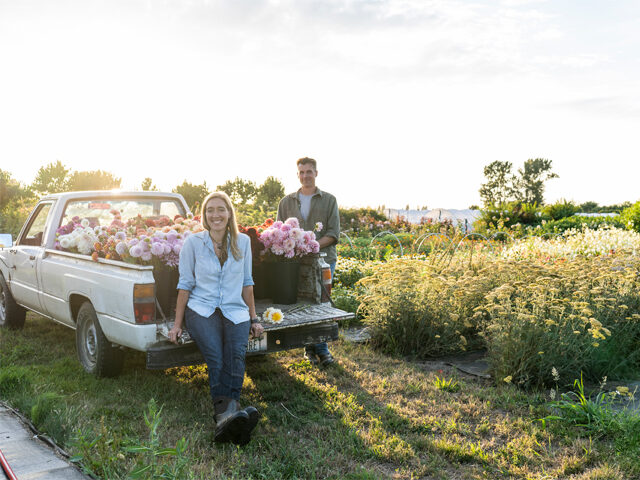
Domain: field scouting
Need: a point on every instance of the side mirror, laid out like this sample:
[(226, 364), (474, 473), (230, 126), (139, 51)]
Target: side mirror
[(5, 240)]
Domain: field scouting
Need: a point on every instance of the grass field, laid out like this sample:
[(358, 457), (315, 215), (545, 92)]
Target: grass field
[(370, 416)]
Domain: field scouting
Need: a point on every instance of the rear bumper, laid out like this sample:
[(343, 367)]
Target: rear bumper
[(168, 355)]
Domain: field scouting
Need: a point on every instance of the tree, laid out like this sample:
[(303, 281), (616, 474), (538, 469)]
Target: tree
[(530, 184), (241, 192), (92, 180), (499, 188), (527, 187), (51, 178), (193, 194), (269, 194), (15, 204), (148, 186), (589, 207), (9, 188)]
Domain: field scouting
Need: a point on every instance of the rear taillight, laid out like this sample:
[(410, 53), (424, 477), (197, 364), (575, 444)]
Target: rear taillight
[(144, 302)]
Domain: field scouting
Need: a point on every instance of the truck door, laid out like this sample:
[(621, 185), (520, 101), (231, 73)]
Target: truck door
[(27, 255)]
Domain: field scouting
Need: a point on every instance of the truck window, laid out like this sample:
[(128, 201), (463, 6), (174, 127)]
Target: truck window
[(34, 234), (102, 212)]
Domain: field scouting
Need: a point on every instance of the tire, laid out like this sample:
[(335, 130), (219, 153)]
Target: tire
[(96, 354), (12, 315)]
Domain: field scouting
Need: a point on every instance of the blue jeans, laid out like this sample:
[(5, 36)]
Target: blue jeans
[(223, 345), (321, 348)]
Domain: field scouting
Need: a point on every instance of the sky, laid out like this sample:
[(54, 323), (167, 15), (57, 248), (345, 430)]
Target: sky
[(401, 102)]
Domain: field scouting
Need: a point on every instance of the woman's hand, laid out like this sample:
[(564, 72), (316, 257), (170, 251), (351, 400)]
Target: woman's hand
[(256, 330), (174, 334)]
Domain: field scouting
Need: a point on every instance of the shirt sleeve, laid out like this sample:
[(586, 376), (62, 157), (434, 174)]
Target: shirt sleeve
[(248, 262), (280, 210), (333, 220), (186, 266)]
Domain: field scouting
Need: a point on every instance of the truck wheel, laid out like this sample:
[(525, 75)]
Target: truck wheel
[(11, 314), (95, 352)]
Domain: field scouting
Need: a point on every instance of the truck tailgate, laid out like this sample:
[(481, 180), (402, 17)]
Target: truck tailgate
[(303, 323)]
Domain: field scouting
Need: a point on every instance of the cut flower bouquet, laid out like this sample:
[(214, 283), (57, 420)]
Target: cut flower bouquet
[(286, 239), (142, 241)]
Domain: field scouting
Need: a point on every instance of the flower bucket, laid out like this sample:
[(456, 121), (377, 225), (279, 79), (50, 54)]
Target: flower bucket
[(261, 280), (166, 279), (284, 282)]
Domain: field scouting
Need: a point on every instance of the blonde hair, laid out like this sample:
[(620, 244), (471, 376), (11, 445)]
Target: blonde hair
[(232, 226)]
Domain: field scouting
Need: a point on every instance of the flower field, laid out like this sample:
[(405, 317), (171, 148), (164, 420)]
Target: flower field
[(571, 302)]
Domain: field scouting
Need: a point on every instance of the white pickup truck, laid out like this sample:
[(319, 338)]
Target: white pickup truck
[(114, 305)]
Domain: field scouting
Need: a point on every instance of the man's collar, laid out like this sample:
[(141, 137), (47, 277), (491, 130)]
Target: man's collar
[(299, 192)]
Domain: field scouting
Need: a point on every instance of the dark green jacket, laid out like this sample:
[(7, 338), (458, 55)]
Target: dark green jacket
[(324, 209)]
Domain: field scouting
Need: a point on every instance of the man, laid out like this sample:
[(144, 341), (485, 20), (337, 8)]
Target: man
[(312, 207)]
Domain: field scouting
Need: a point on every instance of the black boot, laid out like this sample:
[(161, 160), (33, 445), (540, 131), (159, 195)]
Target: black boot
[(245, 433), (230, 422)]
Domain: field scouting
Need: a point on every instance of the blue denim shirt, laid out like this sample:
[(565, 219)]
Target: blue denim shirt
[(211, 285)]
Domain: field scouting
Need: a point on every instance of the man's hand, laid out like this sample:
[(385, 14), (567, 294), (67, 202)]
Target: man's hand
[(256, 330)]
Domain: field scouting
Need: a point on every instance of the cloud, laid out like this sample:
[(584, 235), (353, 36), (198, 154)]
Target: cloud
[(615, 106)]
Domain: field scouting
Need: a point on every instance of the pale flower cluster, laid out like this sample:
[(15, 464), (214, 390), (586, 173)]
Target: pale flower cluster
[(82, 238), (574, 243), (289, 240), (272, 315)]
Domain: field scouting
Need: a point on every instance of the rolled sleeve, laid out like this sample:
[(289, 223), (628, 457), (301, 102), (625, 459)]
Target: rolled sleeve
[(186, 266), (247, 264)]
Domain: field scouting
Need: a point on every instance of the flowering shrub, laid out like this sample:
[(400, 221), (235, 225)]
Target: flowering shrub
[(575, 243), (288, 240), (572, 304), (139, 240)]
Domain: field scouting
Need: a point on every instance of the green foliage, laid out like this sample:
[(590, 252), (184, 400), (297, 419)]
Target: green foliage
[(503, 187), (352, 217), (269, 194), (578, 222), (499, 187), (51, 178), (241, 192), (44, 405), (92, 180), (593, 207), (15, 213), (148, 186), (412, 310), (530, 183), (630, 217), (13, 381), (445, 385), (104, 454), (193, 194), (560, 209), (578, 315), (346, 299)]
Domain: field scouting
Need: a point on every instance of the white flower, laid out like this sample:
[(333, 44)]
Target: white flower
[(273, 315), (85, 222)]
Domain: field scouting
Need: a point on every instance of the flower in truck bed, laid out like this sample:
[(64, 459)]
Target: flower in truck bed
[(145, 241), (272, 315)]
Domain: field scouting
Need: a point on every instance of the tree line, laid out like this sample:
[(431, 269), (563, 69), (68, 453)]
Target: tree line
[(254, 203)]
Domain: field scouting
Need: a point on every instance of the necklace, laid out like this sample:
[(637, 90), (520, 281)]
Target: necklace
[(216, 243)]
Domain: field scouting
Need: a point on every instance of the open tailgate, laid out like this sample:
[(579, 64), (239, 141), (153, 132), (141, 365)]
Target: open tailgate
[(303, 323)]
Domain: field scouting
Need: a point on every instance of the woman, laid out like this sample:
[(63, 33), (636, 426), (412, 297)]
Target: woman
[(215, 303)]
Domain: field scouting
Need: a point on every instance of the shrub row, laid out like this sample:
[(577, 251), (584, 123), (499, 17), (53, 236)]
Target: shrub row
[(577, 315)]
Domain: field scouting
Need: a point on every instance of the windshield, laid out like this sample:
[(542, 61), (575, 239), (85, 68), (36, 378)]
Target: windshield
[(103, 211)]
